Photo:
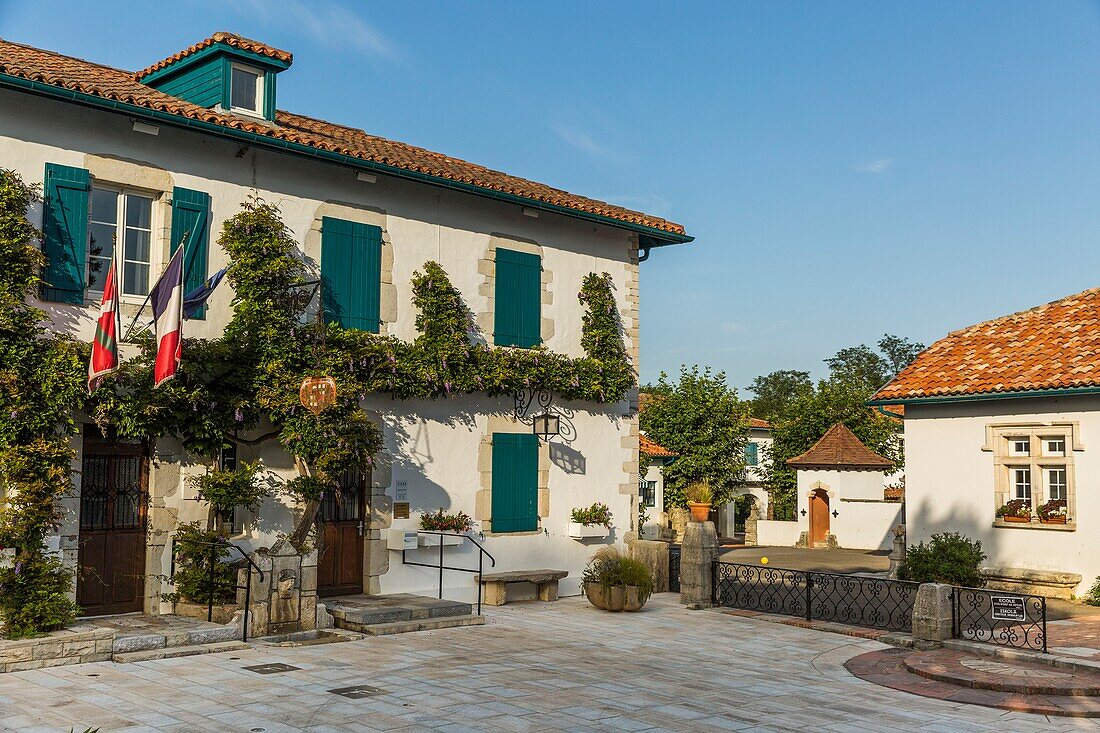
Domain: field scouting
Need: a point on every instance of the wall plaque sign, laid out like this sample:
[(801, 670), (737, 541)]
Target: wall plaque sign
[(1007, 608), (401, 510)]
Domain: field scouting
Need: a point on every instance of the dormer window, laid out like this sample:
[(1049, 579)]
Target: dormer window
[(246, 91)]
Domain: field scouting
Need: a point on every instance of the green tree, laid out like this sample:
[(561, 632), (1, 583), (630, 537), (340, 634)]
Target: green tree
[(859, 366), (776, 392), (899, 352), (700, 418)]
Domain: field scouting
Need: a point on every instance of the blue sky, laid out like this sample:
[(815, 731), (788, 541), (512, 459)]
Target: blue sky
[(847, 168)]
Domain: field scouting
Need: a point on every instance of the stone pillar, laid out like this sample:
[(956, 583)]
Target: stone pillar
[(697, 555), (932, 612), (897, 555), (751, 536), (654, 555), (678, 518)]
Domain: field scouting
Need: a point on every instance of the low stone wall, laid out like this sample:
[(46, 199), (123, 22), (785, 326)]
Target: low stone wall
[(56, 649), (1050, 583)]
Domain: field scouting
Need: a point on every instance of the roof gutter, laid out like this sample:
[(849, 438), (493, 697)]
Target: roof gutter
[(986, 396), (649, 236)]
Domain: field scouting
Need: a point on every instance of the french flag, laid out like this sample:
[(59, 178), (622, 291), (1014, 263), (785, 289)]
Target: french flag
[(167, 298)]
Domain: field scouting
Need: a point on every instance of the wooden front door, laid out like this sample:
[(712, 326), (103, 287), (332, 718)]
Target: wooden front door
[(340, 563), (819, 517), (111, 551)]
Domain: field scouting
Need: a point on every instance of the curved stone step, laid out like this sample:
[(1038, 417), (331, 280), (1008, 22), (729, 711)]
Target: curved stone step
[(988, 673)]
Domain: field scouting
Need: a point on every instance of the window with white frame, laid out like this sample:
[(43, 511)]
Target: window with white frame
[(246, 90), (647, 490), (121, 231), (1056, 482), (1021, 483), (1035, 463)]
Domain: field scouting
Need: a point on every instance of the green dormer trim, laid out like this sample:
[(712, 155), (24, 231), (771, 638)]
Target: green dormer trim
[(205, 77)]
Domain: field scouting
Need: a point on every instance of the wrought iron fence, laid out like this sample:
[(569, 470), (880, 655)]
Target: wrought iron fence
[(1014, 620), (848, 599)]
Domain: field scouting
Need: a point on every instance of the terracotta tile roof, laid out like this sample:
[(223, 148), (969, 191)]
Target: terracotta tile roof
[(653, 450), (1053, 346), (229, 39), (893, 493), (65, 72), (839, 449), (755, 422)]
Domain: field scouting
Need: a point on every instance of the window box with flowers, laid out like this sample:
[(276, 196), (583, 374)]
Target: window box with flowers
[(592, 522), (1016, 511), (457, 524), (1053, 512)]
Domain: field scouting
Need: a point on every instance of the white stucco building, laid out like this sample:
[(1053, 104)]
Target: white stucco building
[(841, 497), (132, 164), (1009, 410), (651, 490), (757, 448)]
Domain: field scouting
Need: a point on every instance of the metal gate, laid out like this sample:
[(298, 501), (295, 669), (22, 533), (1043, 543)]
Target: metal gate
[(1014, 620), (859, 600), (674, 568)]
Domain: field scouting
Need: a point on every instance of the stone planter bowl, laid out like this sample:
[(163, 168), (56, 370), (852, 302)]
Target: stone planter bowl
[(615, 598)]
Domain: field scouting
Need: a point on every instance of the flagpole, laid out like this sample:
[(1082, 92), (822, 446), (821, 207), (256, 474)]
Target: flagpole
[(150, 295)]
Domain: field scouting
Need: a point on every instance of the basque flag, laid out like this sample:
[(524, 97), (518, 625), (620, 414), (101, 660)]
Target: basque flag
[(167, 298), (105, 345)]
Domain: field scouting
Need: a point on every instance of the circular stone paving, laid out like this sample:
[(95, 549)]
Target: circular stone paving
[(1020, 686)]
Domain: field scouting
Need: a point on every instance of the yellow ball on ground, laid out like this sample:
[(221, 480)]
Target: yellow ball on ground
[(763, 561)]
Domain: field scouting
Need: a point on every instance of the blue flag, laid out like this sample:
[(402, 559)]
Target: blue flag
[(197, 298)]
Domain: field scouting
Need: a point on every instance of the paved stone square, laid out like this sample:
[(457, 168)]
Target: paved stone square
[(532, 667)]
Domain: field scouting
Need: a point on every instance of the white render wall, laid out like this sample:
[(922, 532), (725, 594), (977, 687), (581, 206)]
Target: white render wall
[(949, 482), (432, 445), (863, 520)]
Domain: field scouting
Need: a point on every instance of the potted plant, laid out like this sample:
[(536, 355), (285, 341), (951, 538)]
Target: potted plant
[(439, 521), (590, 522), (1016, 510), (699, 498), (614, 582), (1053, 512)]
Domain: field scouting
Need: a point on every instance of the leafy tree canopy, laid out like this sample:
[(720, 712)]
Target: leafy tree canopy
[(776, 391), (701, 418)]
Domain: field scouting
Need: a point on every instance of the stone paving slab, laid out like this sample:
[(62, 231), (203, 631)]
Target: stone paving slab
[(531, 667)]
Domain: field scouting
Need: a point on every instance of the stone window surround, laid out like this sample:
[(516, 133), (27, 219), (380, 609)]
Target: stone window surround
[(997, 437), (483, 502), (487, 267), (311, 246)]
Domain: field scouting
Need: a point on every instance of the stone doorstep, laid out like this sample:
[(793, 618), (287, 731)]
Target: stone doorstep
[(179, 651), (204, 635), (422, 625)]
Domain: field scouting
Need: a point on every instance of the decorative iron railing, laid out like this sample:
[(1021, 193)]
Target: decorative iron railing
[(1014, 620), (848, 599)]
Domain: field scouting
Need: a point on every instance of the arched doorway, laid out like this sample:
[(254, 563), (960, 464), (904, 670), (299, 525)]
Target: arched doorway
[(819, 517)]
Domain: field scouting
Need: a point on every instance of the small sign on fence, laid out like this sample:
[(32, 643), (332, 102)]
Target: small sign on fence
[(1007, 608)]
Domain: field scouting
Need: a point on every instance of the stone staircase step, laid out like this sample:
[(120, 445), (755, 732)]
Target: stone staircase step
[(172, 652), (405, 627)]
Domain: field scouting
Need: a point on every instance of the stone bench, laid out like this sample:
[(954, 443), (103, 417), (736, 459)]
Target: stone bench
[(1050, 583), (496, 584)]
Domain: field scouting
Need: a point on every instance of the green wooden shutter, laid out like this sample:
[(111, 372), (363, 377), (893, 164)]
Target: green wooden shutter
[(191, 217), (515, 494), (351, 273), (65, 233), (752, 456), (518, 301)]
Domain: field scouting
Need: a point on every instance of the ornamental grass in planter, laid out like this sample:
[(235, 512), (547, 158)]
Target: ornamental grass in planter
[(615, 582), (1053, 512), (1016, 510), (699, 499)]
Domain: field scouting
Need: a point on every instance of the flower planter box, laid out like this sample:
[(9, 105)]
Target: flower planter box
[(1053, 520), (1016, 520), (580, 531), (432, 540)]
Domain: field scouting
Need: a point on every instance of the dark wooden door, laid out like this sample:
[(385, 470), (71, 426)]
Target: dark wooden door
[(343, 514), (819, 517), (111, 551)]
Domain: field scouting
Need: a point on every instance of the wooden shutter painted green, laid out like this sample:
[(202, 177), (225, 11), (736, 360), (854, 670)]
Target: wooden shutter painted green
[(515, 494), (65, 233), (518, 301), (752, 455), (351, 273), (191, 217)]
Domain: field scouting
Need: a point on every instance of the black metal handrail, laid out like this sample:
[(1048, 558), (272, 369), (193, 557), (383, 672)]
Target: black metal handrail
[(482, 553), (859, 600), (212, 579), (1016, 620)]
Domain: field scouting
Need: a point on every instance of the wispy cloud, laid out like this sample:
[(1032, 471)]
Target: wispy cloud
[(580, 140), (874, 166), (328, 22)]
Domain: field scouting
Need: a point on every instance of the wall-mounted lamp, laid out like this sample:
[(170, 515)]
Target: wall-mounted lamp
[(546, 426), (146, 128)]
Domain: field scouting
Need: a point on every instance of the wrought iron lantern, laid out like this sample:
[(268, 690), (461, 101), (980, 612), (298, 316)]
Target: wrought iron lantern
[(546, 426)]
